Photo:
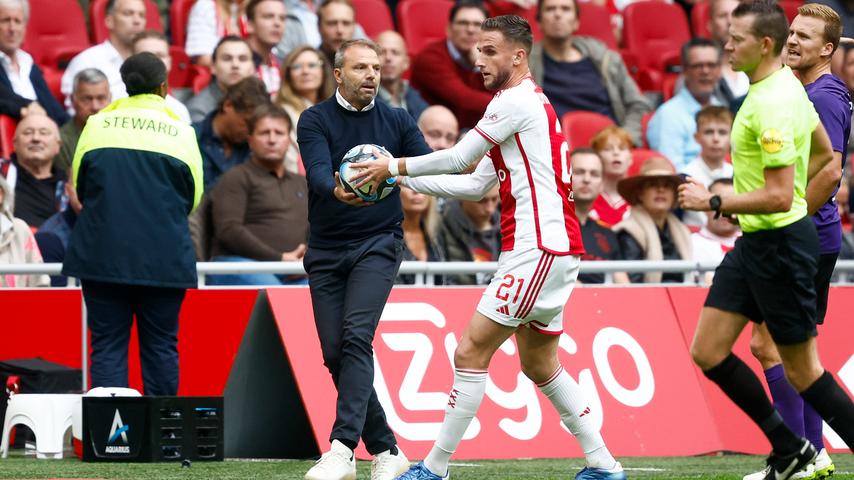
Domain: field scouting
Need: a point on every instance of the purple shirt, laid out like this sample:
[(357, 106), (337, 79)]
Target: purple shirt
[(833, 104)]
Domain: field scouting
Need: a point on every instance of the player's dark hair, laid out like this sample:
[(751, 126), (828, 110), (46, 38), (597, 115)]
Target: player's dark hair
[(769, 20), (143, 73), (228, 39), (246, 95), (268, 110), (513, 27), (698, 42), (574, 5), (463, 4)]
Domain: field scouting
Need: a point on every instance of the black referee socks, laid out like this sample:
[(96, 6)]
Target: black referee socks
[(743, 387), (834, 406)]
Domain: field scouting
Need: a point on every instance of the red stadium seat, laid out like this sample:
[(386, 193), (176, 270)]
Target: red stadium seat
[(53, 78), (595, 21), (7, 134), (56, 32), (700, 15), (654, 32), (791, 8), (580, 127), (98, 10), (374, 16), (179, 12), (181, 74), (422, 22), (668, 86), (639, 156), (201, 79), (644, 125)]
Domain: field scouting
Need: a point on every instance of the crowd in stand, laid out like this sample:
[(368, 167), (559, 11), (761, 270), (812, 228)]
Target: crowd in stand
[(276, 57)]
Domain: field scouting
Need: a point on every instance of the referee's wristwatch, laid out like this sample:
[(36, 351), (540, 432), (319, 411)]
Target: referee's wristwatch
[(715, 203)]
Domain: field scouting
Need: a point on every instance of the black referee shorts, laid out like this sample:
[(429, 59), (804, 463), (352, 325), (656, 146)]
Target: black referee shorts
[(770, 277), (826, 264)]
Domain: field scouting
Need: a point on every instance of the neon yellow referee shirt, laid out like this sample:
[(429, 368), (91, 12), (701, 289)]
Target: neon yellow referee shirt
[(773, 129)]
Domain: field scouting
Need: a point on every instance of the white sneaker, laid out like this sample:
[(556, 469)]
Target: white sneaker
[(386, 466), (807, 473), (338, 463), (824, 466)]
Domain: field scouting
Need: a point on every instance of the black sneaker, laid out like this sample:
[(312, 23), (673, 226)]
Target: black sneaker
[(782, 467)]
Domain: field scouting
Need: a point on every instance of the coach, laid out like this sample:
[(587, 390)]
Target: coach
[(354, 252), (138, 173)]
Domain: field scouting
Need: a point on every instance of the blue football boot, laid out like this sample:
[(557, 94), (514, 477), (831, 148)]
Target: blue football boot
[(615, 473), (420, 472)]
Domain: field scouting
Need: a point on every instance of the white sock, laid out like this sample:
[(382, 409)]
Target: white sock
[(571, 403), (463, 402)]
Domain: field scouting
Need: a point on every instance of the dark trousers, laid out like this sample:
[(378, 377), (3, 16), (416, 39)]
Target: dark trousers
[(349, 287), (110, 311)]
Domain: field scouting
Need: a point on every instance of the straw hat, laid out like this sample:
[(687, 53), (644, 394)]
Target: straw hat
[(656, 167)]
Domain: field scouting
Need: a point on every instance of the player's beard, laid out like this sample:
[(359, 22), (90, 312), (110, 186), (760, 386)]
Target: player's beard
[(499, 79)]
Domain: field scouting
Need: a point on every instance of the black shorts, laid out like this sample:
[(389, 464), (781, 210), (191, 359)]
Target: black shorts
[(770, 276), (826, 264)]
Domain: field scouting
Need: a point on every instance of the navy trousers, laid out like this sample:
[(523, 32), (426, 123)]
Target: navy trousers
[(110, 311), (349, 287)]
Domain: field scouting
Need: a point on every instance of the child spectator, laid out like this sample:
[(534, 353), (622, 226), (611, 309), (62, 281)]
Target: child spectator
[(713, 131), (614, 146)]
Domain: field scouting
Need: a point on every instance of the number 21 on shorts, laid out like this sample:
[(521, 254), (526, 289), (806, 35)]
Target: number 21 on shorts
[(510, 285)]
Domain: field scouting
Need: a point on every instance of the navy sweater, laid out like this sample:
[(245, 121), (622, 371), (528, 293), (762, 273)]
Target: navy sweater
[(325, 132)]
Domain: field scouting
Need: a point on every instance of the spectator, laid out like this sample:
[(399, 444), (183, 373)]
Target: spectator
[(718, 235), (266, 27), (713, 131), (223, 133), (300, 28), (125, 19), (439, 127), (733, 85), (232, 62), (155, 42), (672, 127), (651, 231), (37, 183), (252, 201), (420, 225), (613, 144), (445, 73), (600, 243), (90, 94), (394, 89), (208, 22), (17, 244), (52, 237), (22, 83), (306, 80), (336, 20), (581, 73), (471, 232)]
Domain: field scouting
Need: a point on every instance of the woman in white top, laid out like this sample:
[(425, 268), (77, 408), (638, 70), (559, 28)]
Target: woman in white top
[(209, 21), (17, 243)]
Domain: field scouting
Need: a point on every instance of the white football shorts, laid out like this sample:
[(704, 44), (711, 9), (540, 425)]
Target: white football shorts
[(531, 287)]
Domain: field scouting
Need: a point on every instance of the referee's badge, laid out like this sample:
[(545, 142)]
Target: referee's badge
[(771, 140)]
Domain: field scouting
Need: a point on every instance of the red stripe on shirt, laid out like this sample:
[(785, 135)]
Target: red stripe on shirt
[(508, 202), (485, 135)]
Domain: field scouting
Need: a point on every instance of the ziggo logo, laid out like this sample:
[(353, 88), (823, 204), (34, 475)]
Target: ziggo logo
[(524, 396)]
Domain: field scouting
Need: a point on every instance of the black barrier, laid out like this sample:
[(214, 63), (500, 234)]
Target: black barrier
[(152, 429)]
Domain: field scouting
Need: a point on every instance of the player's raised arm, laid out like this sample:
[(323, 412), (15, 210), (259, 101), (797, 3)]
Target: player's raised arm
[(472, 186)]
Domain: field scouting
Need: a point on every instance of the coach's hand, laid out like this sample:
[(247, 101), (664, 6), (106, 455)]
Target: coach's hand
[(295, 254), (347, 197), (372, 171), (693, 195)]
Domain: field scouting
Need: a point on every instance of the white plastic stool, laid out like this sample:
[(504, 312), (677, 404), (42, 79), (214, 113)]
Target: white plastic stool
[(47, 415)]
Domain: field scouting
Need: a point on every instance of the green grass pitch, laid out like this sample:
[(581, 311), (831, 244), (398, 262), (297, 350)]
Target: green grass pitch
[(727, 467)]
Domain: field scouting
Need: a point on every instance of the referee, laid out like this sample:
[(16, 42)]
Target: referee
[(778, 143), (138, 173)]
